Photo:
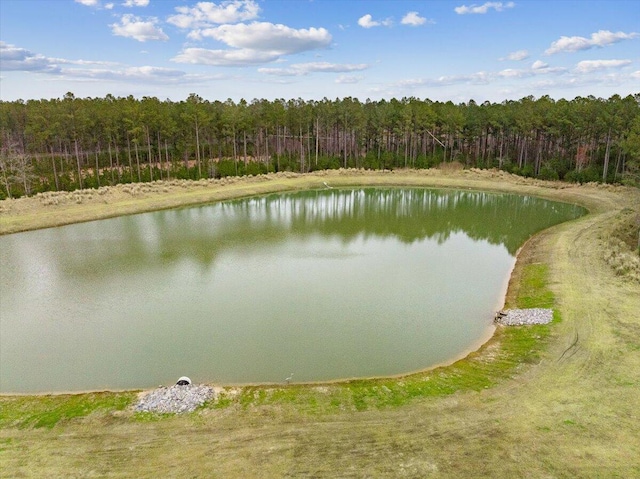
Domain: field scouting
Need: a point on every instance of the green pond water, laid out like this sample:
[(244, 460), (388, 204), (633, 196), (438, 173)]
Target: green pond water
[(326, 285)]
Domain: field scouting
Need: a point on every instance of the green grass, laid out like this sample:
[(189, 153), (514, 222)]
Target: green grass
[(534, 291), (48, 411)]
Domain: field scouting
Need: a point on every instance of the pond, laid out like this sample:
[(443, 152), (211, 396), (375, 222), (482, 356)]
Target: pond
[(327, 284)]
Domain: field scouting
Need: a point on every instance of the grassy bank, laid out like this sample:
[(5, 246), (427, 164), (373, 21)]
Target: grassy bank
[(558, 400), (59, 208)]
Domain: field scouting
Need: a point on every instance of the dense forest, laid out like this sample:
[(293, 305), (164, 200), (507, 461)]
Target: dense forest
[(70, 143)]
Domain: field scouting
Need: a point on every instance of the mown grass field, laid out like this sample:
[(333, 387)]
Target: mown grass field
[(561, 400)]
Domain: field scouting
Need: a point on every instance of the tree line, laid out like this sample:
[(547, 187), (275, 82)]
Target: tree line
[(71, 143)]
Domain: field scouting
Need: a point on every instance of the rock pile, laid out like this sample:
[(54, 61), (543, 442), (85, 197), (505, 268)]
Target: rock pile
[(175, 399), (519, 317)]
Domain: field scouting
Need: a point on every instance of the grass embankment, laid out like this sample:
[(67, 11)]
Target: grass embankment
[(557, 400)]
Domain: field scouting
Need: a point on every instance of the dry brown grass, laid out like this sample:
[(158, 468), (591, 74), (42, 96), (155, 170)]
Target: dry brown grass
[(574, 413), (59, 208)]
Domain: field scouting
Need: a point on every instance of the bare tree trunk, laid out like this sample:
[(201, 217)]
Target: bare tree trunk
[(606, 157), (406, 148), (198, 149), (615, 173), (149, 157), (317, 140), (135, 146), (522, 150), (302, 165), (166, 156), (118, 167), (22, 168), (55, 173), (308, 138), (244, 147), (266, 148), (159, 155), (65, 156), (97, 166), (110, 160), (235, 151), (6, 174), (278, 146), (538, 154), (344, 145), (78, 163), (129, 153)]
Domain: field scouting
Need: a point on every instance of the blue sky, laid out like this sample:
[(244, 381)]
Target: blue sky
[(311, 49)]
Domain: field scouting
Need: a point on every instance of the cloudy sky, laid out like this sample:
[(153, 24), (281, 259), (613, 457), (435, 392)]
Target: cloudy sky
[(311, 49)]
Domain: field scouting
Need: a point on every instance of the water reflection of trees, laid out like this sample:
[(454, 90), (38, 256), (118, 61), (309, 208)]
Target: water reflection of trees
[(202, 233)]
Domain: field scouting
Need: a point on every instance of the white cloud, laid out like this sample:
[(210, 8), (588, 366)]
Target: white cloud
[(514, 73), (517, 55), (348, 79), (300, 69), (136, 3), (477, 78), (537, 68), (14, 58), (414, 19), (263, 36), (539, 65), (582, 81), (96, 4), (484, 8), (206, 14), (330, 67), (588, 66), (135, 74), (600, 38), (64, 61), (511, 82), (367, 21), (280, 72), (254, 43), (134, 27), (239, 57), (481, 78)]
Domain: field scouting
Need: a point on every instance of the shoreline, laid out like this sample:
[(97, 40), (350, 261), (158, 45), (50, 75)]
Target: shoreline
[(52, 209), (477, 345), (220, 190)]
